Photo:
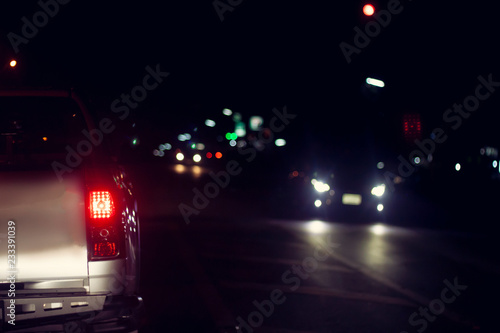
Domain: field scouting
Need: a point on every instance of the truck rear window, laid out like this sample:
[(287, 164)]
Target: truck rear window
[(36, 130)]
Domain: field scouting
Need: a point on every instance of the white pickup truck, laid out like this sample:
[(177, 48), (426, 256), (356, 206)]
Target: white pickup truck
[(69, 229)]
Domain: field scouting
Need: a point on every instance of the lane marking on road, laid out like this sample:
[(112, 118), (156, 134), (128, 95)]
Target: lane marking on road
[(420, 300), (279, 261), (308, 290)]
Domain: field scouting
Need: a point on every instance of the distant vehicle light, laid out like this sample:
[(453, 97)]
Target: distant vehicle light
[(196, 158), (317, 203), (13, 63), (375, 82), (179, 156), (280, 142), (209, 155), (44, 138), (181, 137), (416, 160), (458, 167), (378, 190), (368, 10), (380, 207), (495, 163), (380, 165), (218, 154), (227, 112), (200, 146), (232, 143)]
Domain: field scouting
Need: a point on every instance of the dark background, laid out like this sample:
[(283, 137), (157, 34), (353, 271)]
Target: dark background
[(265, 55)]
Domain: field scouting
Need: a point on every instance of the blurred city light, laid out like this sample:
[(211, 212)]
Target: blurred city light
[(368, 10), (240, 130), (256, 123), (197, 158), (380, 165), (179, 156), (458, 166), (317, 203), (232, 143), (218, 154), (227, 112), (188, 136), (193, 145), (210, 123), (416, 160), (13, 63), (280, 142), (165, 146), (200, 146), (179, 168), (197, 171), (378, 190), (495, 163), (375, 82), (181, 137), (236, 117), (380, 207), (209, 155)]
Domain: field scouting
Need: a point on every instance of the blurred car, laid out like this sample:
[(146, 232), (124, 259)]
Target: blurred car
[(71, 259), (345, 195)]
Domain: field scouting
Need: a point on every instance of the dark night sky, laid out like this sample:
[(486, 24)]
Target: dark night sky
[(263, 56)]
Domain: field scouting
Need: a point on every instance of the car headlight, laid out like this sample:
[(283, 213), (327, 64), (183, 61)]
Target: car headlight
[(320, 186), (378, 190)]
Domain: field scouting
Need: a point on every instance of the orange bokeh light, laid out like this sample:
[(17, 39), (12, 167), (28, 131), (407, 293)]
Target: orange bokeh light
[(368, 10)]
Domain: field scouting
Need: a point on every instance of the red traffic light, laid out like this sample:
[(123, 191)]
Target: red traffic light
[(368, 9)]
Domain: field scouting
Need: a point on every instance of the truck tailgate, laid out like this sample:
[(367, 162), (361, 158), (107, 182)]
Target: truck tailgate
[(50, 232)]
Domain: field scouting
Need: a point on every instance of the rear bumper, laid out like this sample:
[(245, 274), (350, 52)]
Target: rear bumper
[(101, 313)]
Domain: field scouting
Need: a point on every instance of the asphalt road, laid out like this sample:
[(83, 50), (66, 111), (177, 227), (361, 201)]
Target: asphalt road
[(234, 266)]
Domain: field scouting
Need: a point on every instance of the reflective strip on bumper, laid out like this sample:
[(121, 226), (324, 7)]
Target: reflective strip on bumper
[(31, 308)]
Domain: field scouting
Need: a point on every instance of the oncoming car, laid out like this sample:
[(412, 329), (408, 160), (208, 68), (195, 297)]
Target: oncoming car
[(69, 237), (344, 195)]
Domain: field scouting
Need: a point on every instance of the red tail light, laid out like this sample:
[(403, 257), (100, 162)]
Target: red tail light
[(104, 231), (101, 205)]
